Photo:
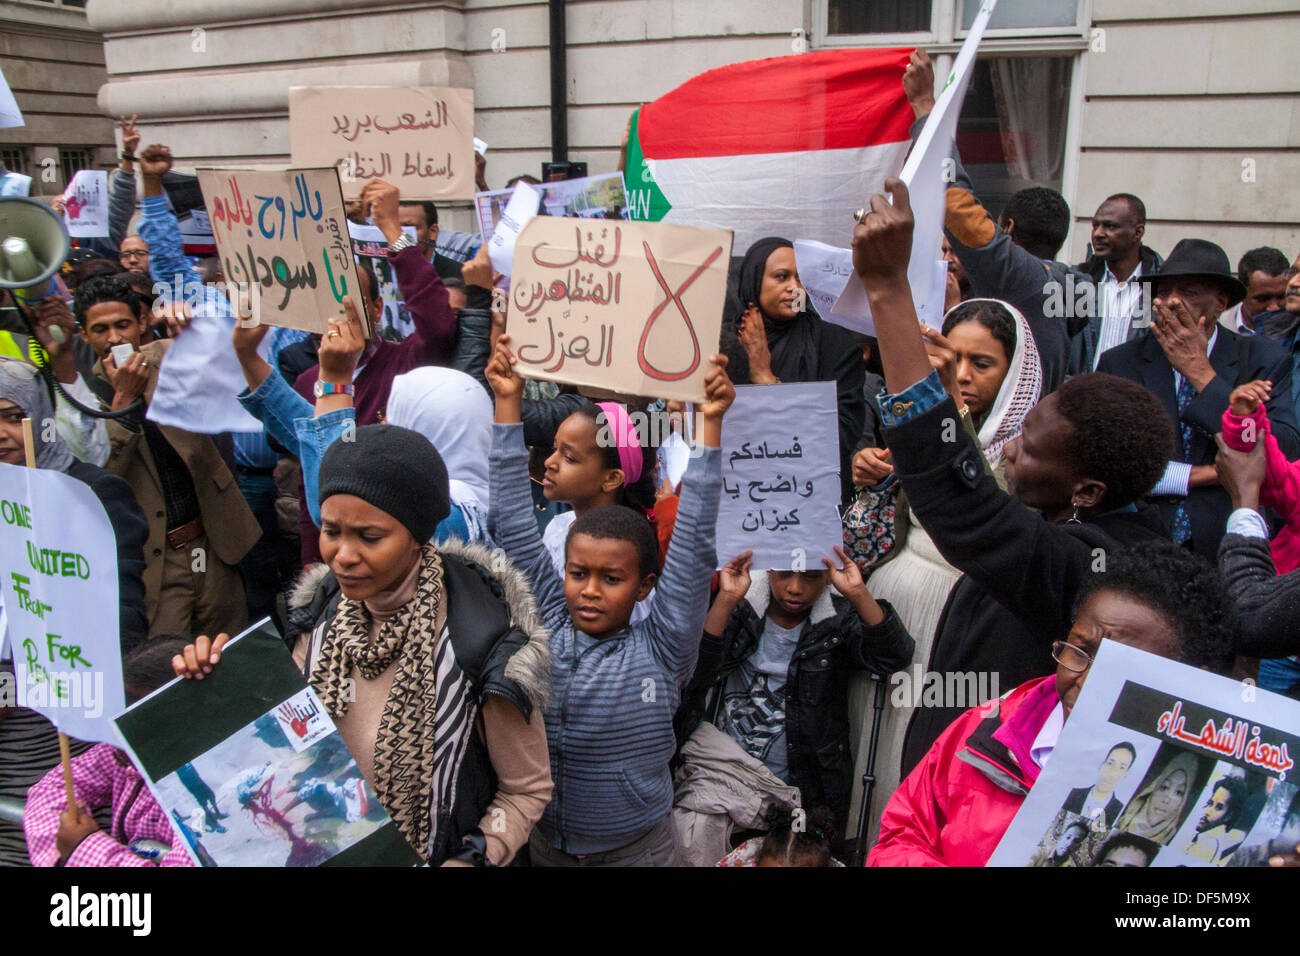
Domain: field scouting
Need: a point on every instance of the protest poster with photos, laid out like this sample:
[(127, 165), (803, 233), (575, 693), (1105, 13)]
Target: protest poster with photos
[(284, 233), (781, 476), (633, 308), (58, 568), (418, 138), (1161, 764), (85, 204), (368, 243), (251, 770)]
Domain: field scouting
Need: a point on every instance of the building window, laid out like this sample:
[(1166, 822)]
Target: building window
[(883, 16), (71, 160), (1011, 132), (14, 160)]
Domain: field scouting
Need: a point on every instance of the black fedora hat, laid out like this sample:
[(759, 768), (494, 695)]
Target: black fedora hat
[(1205, 260)]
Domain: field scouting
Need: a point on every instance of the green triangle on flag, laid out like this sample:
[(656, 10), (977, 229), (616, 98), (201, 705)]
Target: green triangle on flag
[(645, 199)]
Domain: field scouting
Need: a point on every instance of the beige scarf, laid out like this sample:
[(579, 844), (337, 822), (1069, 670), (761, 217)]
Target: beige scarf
[(411, 767)]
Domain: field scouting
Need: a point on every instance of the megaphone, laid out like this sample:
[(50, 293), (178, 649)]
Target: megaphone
[(33, 246)]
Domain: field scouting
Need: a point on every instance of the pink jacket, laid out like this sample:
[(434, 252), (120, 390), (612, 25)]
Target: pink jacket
[(1281, 490), (101, 776), (956, 804)]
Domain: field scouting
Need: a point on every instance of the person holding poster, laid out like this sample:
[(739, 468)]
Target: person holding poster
[(774, 665), (616, 683), (954, 807), (782, 339), (462, 772), (141, 835), (28, 741)]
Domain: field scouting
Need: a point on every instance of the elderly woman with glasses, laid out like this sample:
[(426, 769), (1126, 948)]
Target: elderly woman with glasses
[(954, 807), (28, 742)]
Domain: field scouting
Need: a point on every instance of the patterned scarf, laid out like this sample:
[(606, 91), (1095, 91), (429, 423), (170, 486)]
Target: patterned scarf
[(426, 722)]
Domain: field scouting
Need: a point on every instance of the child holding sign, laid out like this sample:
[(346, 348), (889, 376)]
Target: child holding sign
[(615, 687), (58, 835)]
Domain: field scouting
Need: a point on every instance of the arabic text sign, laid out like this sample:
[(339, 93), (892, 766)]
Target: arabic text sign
[(781, 476), (419, 138), (285, 232), (1161, 764), (85, 204), (628, 307), (58, 564)]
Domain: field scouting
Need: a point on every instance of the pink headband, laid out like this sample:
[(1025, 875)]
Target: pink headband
[(629, 446)]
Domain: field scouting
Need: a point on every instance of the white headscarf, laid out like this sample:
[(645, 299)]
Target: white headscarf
[(1019, 390), (454, 412)]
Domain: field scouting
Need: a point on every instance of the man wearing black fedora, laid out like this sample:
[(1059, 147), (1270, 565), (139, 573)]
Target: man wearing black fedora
[(1192, 364)]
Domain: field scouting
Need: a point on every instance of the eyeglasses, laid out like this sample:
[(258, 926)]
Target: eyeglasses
[(1070, 657), (133, 254)]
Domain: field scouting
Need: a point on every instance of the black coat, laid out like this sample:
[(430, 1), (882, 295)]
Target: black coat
[(1237, 359), (1083, 347), (1267, 603), (816, 701), (1021, 575), (131, 530)]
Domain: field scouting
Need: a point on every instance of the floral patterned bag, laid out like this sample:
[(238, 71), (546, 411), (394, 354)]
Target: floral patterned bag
[(869, 523)]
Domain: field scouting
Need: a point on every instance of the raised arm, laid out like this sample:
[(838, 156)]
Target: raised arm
[(682, 592), (434, 337), (510, 502)]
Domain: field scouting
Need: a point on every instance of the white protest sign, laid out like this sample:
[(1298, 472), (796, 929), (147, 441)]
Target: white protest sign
[(824, 270), (480, 147), (10, 114), (781, 476), (523, 205), (927, 174), (1162, 764), (85, 204), (418, 138), (15, 184), (58, 573), (285, 231), (633, 308)]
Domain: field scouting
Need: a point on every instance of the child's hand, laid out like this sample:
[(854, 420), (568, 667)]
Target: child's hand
[(733, 578), (847, 579), (1246, 398), (506, 382), (200, 657), (75, 824), (718, 390)]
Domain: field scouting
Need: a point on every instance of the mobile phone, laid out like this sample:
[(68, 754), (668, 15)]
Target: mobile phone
[(121, 353)]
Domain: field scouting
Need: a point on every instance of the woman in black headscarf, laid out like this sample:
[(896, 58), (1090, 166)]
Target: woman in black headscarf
[(784, 340)]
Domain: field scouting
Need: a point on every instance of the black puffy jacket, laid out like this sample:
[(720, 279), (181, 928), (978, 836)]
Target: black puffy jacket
[(834, 641), (500, 644)]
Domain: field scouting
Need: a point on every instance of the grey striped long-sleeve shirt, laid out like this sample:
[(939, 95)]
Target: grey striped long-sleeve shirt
[(609, 725)]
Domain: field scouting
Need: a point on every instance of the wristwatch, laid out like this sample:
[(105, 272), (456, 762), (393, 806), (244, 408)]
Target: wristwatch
[(401, 242), (329, 388)]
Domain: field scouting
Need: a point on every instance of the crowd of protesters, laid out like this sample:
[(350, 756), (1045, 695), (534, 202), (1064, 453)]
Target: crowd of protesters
[(479, 589)]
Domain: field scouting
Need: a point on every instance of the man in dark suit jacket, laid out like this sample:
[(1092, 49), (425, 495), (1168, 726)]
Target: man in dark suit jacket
[(1118, 762), (1192, 364)]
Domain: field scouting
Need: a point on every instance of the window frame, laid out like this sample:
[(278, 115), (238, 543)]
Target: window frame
[(946, 36)]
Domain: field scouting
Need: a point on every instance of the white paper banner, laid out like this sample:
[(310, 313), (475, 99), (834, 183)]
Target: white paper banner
[(781, 476), (58, 562), (85, 204)]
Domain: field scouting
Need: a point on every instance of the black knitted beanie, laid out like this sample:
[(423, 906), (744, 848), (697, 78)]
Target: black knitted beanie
[(396, 470)]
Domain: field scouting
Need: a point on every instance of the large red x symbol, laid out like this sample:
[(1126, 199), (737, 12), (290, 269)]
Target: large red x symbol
[(674, 297)]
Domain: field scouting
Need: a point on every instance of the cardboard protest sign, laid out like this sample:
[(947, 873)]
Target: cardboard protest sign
[(251, 770), (419, 138), (627, 307), (58, 562), (781, 476), (85, 204), (284, 233), (1161, 764)]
